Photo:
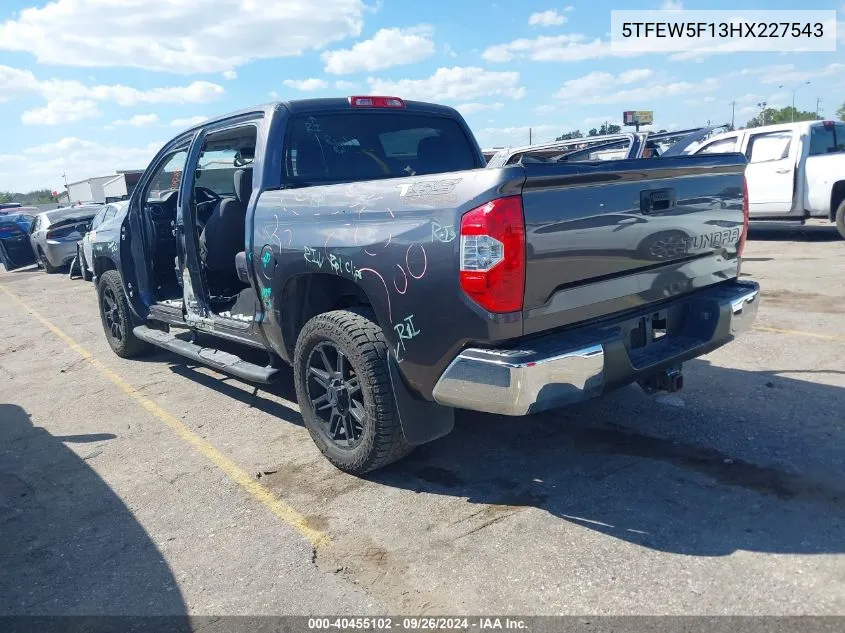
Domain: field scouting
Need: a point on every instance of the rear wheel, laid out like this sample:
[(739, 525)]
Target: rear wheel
[(840, 219), (344, 392), (117, 318), (45, 263)]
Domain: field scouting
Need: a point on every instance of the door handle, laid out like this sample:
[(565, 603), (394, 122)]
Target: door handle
[(656, 200), (784, 170)]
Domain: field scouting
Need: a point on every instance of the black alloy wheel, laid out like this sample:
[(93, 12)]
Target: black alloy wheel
[(111, 314), (336, 397)]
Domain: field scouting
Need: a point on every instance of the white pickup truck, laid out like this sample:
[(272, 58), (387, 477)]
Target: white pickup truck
[(795, 170)]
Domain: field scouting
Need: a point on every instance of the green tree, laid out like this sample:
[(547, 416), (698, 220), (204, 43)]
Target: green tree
[(40, 196), (772, 116), (841, 112), (605, 129), (570, 135)]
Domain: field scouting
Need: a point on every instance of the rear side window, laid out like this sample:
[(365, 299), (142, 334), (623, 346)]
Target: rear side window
[(722, 146), (769, 146), (98, 219), (340, 147), (825, 139)]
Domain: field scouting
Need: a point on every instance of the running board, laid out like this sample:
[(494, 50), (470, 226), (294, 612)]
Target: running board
[(222, 361)]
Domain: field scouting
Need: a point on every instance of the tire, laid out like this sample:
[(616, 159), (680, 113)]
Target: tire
[(840, 219), (373, 437), (117, 318), (45, 263), (83, 266)]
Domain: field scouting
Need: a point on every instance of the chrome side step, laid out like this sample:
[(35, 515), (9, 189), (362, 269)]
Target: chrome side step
[(222, 361)]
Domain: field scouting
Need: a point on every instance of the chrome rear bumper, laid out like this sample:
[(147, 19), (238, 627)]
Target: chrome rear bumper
[(557, 370)]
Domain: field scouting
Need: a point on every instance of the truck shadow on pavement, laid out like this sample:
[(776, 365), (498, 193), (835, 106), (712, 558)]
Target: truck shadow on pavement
[(751, 461), (796, 233), (69, 545)]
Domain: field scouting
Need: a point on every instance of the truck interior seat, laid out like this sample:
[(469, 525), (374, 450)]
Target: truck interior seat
[(310, 160), (223, 236), (432, 155)]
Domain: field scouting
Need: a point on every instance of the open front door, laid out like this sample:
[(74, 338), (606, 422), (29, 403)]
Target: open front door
[(770, 173), (15, 247)]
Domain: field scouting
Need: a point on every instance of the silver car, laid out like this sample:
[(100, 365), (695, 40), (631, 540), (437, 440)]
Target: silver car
[(54, 234), (112, 213)]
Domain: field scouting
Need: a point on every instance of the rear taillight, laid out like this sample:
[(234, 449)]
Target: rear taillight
[(741, 245), (493, 255), (63, 232)]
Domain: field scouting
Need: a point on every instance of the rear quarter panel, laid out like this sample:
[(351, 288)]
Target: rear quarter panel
[(821, 173), (397, 239)]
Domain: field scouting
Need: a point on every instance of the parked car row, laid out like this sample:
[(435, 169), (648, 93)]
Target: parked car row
[(53, 239)]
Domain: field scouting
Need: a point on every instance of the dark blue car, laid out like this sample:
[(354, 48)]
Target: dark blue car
[(15, 247)]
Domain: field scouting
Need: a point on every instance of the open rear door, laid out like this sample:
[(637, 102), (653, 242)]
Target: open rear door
[(15, 247)]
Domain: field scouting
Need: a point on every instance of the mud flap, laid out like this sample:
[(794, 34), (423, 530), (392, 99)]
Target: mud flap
[(422, 421)]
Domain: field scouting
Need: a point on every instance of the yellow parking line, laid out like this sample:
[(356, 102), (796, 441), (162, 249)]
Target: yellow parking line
[(780, 330), (237, 474)]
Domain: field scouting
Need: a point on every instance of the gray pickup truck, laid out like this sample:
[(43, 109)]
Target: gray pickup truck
[(365, 242)]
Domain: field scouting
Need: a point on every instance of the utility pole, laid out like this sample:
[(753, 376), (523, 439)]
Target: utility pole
[(793, 96), (529, 136), (818, 102), (733, 108), (762, 106)]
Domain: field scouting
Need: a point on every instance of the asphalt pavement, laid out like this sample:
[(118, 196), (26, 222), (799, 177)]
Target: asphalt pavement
[(154, 486)]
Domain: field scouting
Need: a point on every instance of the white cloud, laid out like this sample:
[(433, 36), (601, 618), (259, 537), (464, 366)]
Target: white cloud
[(15, 82), (602, 87), (71, 100), (671, 5), (519, 135), (545, 109), (346, 85), (546, 18), (786, 74), (56, 112), (139, 120), (306, 85), (387, 48), (181, 36), (472, 108), (273, 94), (572, 47), (42, 165), (230, 74), (188, 122), (453, 84), (699, 100), (195, 92), (449, 51)]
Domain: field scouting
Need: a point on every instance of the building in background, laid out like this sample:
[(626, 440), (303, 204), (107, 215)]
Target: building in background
[(88, 190), (118, 186)]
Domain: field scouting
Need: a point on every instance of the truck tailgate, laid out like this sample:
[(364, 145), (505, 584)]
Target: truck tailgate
[(609, 236)]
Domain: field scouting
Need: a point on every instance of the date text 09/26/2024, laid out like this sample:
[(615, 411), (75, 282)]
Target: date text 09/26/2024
[(416, 623)]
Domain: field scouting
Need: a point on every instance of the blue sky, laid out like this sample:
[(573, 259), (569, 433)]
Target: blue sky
[(90, 86)]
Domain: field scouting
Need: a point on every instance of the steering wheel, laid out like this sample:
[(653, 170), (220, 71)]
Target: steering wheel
[(208, 194)]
